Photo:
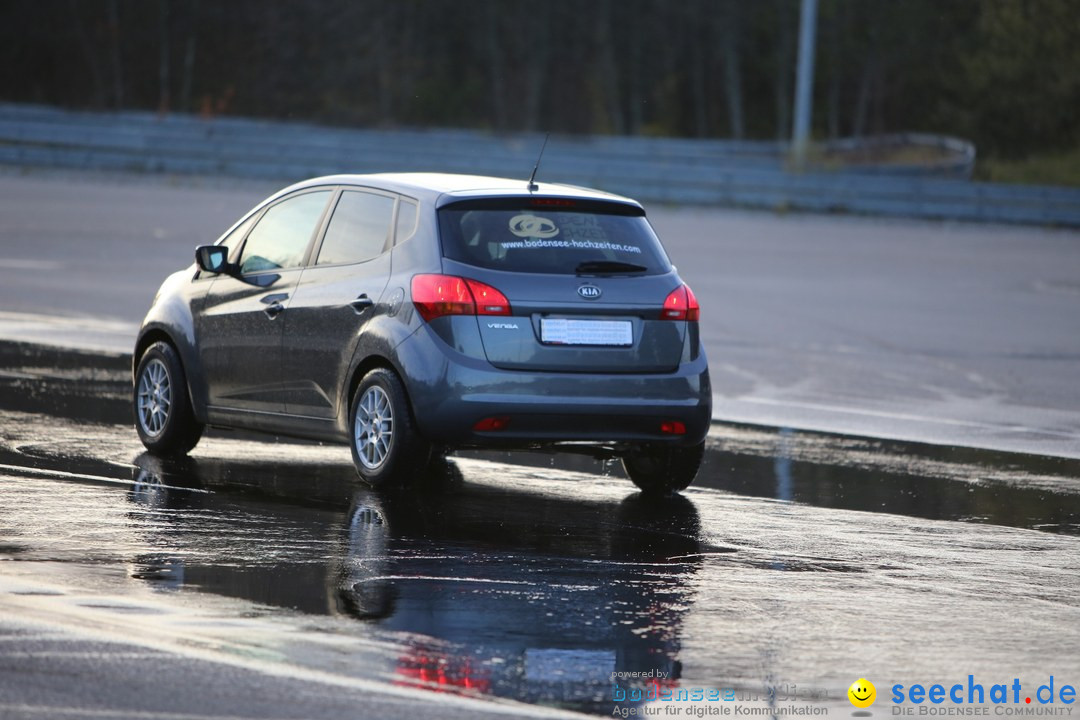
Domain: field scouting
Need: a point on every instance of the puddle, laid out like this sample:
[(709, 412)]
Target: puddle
[(537, 581)]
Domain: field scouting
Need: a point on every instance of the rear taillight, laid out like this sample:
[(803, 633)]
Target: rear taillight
[(489, 301), (681, 305), (438, 295)]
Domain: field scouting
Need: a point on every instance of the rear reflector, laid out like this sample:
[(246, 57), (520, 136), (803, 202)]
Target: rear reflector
[(681, 305), (673, 427), (492, 424), (438, 295)]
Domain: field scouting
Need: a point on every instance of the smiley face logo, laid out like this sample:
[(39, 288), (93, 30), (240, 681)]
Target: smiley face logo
[(862, 693)]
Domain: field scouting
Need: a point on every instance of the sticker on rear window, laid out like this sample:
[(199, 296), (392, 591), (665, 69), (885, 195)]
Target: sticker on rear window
[(532, 226), (571, 244)]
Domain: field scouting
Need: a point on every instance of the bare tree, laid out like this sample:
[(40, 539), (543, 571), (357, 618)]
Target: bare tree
[(786, 14), (89, 54), (114, 53), (189, 57), (163, 56), (729, 38), (495, 62)]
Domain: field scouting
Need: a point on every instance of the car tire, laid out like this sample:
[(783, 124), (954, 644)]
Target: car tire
[(164, 418), (386, 447), (663, 469)]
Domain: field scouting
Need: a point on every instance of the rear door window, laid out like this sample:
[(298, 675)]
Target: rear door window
[(549, 235), (359, 228)]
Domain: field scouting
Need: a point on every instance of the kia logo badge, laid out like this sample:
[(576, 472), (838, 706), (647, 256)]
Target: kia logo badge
[(589, 292)]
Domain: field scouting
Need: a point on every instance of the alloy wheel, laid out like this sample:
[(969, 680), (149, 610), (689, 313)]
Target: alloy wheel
[(155, 397), (374, 427)]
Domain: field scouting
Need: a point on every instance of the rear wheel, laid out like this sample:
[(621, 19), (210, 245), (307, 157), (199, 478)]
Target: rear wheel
[(663, 469), (386, 447), (163, 416)]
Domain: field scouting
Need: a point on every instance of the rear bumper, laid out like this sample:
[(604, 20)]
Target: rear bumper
[(451, 392)]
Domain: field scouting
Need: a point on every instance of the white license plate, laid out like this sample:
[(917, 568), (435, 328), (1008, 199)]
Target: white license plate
[(564, 331), (577, 666)]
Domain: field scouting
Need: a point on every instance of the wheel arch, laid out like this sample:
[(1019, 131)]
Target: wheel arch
[(156, 333), (362, 368), (148, 338), (407, 453)]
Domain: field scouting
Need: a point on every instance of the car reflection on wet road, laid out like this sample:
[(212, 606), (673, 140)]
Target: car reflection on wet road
[(541, 607), (797, 560)]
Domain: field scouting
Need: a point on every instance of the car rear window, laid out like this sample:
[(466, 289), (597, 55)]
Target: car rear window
[(550, 235)]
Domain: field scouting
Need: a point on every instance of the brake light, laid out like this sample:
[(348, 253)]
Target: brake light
[(681, 305), (438, 295), (552, 202), (489, 301)]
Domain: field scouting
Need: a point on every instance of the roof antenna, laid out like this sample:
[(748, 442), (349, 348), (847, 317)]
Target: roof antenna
[(532, 186)]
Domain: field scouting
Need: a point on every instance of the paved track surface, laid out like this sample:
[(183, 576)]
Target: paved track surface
[(260, 579), (949, 333)]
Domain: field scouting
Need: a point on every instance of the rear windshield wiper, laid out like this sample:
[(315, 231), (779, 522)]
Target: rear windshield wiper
[(603, 267)]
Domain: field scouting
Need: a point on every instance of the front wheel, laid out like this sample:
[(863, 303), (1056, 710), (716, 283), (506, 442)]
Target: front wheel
[(663, 469), (163, 416), (386, 447)]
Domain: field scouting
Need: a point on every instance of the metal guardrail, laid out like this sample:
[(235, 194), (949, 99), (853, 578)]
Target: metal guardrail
[(709, 172), (926, 155)]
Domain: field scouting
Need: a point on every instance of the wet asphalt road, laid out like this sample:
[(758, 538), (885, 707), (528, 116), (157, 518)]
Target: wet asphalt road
[(950, 333), (261, 579)]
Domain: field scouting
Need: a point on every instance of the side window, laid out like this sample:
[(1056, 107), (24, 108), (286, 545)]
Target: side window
[(359, 228), (406, 220), (282, 235), (233, 239)]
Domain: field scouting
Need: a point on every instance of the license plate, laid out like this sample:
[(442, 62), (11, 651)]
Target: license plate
[(564, 331), (577, 666)]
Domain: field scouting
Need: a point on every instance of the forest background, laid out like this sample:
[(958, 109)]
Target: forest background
[(1004, 74)]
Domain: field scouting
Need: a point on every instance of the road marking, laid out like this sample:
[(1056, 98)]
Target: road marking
[(18, 375), (84, 654), (439, 578), (27, 264), (96, 478), (886, 415), (53, 711), (144, 632), (109, 335)]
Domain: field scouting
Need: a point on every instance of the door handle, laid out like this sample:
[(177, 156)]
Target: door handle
[(361, 303), (273, 310), (273, 304)]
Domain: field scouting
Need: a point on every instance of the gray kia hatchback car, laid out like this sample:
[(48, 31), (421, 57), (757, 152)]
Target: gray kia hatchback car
[(413, 314)]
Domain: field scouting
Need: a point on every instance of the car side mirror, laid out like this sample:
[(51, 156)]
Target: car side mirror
[(213, 259)]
